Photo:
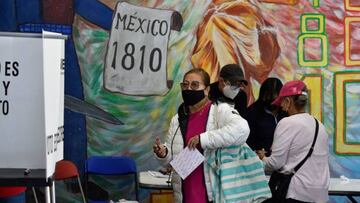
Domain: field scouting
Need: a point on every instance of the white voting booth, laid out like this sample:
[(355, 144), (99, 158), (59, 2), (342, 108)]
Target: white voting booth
[(31, 101)]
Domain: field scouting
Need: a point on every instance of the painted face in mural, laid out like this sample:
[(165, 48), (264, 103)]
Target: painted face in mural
[(193, 89)]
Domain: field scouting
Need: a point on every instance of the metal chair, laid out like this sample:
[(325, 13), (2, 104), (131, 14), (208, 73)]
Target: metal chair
[(113, 166), (65, 170)]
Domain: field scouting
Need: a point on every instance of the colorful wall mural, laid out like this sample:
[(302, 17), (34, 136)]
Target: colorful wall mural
[(313, 40)]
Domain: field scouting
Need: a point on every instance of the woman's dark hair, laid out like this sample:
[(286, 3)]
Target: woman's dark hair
[(204, 75), (300, 100), (270, 89)]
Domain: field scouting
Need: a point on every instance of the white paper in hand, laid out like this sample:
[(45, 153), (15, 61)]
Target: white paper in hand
[(187, 161)]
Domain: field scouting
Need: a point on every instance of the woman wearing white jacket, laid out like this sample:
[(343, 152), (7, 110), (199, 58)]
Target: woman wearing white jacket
[(202, 125)]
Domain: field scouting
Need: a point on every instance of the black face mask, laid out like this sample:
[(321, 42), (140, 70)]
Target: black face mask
[(192, 97)]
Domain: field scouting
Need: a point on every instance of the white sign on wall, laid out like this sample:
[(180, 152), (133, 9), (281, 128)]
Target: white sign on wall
[(137, 50), (31, 101)]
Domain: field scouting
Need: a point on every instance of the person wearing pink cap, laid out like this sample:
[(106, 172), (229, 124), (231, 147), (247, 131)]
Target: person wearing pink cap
[(293, 138)]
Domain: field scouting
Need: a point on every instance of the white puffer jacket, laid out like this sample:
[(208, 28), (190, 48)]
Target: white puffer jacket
[(225, 127)]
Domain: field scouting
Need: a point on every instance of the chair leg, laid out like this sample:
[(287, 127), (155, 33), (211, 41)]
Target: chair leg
[(34, 192), (81, 190)]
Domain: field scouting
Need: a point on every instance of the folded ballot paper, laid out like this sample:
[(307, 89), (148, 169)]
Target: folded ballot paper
[(187, 161)]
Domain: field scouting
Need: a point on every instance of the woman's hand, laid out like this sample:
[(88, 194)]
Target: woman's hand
[(159, 149), (193, 142), (261, 153)]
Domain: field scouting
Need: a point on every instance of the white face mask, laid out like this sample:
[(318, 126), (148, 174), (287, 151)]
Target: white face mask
[(231, 91)]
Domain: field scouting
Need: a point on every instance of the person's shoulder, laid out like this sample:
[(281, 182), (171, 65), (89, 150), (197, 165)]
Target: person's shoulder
[(287, 124), (241, 93), (296, 120), (255, 107), (221, 105), (182, 111), (175, 118), (225, 108), (241, 96), (287, 120)]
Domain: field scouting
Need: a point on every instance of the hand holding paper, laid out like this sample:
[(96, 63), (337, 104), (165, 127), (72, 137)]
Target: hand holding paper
[(187, 161)]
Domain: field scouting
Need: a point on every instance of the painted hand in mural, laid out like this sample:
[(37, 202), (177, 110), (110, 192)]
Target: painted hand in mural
[(159, 149), (236, 32)]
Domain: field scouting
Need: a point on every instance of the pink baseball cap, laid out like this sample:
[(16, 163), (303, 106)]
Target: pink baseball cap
[(291, 88)]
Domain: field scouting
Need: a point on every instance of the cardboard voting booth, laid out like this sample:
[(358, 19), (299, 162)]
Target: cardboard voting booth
[(31, 101)]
